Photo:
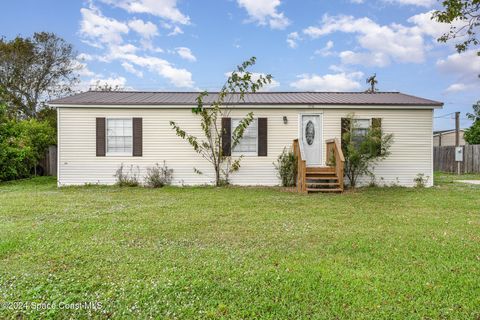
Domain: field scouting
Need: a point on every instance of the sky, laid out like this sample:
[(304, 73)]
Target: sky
[(306, 45)]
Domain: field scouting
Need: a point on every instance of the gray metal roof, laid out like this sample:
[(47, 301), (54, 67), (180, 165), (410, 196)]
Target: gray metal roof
[(446, 131), (259, 98)]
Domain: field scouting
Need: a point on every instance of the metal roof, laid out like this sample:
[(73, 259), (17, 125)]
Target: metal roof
[(136, 98), (446, 131)]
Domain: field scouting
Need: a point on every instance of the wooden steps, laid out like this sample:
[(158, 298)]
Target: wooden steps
[(309, 190), (322, 179)]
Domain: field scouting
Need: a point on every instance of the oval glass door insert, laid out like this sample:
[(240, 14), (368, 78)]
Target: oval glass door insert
[(310, 132)]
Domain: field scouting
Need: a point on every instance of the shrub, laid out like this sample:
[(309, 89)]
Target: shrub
[(22, 144), (127, 179), (158, 176), (420, 180), (362, 152), (287, 167)]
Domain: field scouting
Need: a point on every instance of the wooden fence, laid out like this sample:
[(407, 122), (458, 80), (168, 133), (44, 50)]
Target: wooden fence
[(49, 163), (444, 159)]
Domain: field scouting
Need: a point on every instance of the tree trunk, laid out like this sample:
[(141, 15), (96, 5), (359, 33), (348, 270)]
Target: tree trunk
[(217, 176)]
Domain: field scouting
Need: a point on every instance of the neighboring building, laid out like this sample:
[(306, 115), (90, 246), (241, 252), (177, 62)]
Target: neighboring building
[(447, 138), (99, 131)]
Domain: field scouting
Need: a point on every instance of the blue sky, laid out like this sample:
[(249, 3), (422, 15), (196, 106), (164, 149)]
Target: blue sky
[(316, 45)]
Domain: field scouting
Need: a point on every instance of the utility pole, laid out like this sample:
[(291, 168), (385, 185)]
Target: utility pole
[(457, 136), (457, 129)]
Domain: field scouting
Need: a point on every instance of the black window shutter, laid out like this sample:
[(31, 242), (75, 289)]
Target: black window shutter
[(262, 137), (227, 136), (377, 127), (345, 127), (101, 141), (137, 131)]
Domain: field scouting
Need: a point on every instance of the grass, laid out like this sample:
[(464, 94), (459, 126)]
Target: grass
[(391, 253)]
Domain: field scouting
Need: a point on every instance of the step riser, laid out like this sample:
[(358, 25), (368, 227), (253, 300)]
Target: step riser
[(323, 190)]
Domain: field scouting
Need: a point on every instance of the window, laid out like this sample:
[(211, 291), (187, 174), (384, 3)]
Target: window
[(248, 145), (119, 136), (360, 130)]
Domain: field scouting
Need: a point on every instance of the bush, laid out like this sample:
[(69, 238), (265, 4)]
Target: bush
[(362, 152), (287, 168), (158, 176), (22, 145), (420, 180), (127, 179), (472, 134)]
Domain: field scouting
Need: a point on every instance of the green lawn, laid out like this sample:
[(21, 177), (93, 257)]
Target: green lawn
[(391, 253)]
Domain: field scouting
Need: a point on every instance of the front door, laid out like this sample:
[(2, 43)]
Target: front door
[(311, 139)]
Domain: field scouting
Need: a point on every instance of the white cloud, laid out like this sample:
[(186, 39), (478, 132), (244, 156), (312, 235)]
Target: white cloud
[(357, 1), (420, 3), (395, 41), (186, 53), (329, 82), (465, 67), (325, 51), (460, 87), (424, 24), (130, 68), (265, 12), (256, 75), (85, 57), (147, 29), (178, 77), (108, 33), (382, 44), (378, 59), (96, 27), (165, 9), (176, 30), (292, 39), (467, 63), (82, 68)]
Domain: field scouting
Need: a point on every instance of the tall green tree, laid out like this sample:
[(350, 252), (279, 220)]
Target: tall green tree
[(475, 116), (34, 70), (209, 146), (472, 134), (464, 18)]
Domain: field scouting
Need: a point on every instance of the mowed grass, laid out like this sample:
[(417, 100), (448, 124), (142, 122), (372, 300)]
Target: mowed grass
[(180, 253)]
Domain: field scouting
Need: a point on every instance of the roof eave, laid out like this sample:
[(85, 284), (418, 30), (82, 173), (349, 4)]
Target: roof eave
[(247, 105)]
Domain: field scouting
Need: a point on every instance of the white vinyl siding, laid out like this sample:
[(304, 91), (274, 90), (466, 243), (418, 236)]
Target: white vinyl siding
[(411, 152), (248, 145), (119, 136)]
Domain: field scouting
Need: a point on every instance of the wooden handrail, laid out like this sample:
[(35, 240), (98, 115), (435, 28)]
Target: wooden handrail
[(301, 168), (333, 145), (334, 155)]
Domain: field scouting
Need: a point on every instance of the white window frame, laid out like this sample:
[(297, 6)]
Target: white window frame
[(117, 154), (244, 153), (361, 119)]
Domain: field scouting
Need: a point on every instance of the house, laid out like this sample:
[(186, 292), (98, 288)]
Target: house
[(99, 131), (447, 138)]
